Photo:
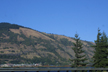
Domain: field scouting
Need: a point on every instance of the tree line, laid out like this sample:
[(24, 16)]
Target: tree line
[(100, 58)]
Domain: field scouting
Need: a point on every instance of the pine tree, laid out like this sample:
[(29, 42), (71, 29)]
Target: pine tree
[(100, 54), (79, 58)]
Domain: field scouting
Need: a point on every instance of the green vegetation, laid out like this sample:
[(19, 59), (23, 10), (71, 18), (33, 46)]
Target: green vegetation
[(43, 60), (2, 51), (79, 59), (15, 56), (5, 48), (12, 51), (65, 42), (12, 38), (12, 56), (6, 26), (100, 58)]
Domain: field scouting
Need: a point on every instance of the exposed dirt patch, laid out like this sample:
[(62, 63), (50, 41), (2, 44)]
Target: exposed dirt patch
[(15, 30)]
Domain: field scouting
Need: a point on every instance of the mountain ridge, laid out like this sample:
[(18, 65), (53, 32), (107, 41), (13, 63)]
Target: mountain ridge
[(32, 46)]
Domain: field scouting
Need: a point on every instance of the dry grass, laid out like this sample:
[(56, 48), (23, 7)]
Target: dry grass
[(39, 53), (15, 30), (63, 54), (20, 38)]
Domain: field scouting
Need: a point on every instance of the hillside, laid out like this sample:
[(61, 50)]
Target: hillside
[(19, 44)]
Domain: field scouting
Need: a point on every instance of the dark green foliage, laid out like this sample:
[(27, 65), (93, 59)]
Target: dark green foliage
[(2, 51), (15, 62), (5, 48), (12, 56), (42, 49), (51, 36), (69, 54), (43, 60), (50, 46), (101, 51), (12, 51), (34, 49), (25, 47), (79, 59), (60, 48), (12, 38), (7, 26), (15, 58), (65, 42), (28, 42), (2, 62), (4, 28), (11, 47)]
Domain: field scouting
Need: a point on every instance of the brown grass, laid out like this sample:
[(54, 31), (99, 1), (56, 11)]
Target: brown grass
[(30, 32), (63, 54)]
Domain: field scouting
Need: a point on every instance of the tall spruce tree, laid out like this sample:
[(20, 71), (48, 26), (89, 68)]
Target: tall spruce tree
[(100, 58), (80, 58)]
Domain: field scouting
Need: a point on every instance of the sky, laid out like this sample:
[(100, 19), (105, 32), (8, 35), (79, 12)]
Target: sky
[(62, 17)]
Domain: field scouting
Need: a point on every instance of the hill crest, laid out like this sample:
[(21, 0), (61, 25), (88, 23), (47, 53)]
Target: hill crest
[(32, 46)]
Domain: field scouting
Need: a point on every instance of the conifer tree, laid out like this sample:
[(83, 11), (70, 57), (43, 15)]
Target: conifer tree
[(100, 55), (79, 57)]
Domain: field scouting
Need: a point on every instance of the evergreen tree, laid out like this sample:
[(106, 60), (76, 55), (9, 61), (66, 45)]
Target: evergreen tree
[(79, 58), (100, 54)]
